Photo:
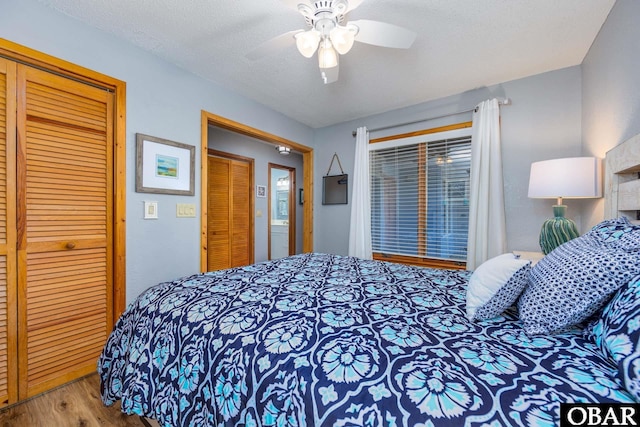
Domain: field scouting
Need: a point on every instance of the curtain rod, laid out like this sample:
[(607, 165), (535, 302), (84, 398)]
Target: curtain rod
[(506, 101)]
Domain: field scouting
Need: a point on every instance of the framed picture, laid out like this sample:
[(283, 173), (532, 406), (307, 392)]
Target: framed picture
[(261, 191), (163, 166)]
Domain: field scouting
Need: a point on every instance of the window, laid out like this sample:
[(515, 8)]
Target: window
[(420, 195)]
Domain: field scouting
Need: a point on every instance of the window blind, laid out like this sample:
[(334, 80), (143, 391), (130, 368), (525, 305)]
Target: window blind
[(420, 198)]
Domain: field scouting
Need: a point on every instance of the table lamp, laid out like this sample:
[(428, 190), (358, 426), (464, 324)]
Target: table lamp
[(569, 178)]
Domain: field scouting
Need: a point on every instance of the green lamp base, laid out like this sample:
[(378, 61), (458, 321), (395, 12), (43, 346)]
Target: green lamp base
[(557, 230)]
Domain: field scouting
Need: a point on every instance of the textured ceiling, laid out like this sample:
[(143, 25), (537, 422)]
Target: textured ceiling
[(461, 45)]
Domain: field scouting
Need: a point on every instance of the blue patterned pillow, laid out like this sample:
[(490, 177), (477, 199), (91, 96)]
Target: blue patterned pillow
[(495, 285), (618, 231), (576, 280), (617, 333)]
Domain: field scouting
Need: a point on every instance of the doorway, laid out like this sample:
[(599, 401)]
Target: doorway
[(282, 211), (209, 119)]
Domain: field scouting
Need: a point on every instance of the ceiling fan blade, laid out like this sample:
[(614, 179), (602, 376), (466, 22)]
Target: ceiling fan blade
[(273, 45), (383, 34), (329, 75)]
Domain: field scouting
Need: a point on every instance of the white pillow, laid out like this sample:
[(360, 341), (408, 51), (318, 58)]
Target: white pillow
[(495, 285)]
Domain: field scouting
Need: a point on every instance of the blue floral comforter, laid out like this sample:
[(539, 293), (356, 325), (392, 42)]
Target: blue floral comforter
[(318, 339)]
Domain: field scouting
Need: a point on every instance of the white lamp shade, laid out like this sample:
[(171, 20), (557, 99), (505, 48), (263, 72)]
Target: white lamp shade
[(327, 56), (572, 178), (307, 42), (342, 38)]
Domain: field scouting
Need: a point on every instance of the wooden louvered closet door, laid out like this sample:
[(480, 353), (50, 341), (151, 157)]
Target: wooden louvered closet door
[(229, 213), (64, 211)]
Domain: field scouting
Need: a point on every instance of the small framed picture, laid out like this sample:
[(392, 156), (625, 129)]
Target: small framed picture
[(261, 191)]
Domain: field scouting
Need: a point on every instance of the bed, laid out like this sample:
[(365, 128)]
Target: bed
[(320, 339)]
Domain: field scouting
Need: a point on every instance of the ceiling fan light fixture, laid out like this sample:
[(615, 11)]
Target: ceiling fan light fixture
[(307, 42), (327, 56), (342, 38)]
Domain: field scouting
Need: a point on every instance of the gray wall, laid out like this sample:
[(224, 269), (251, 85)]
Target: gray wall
[(163, 101), (611, 87), (544, 122), (263, 154)]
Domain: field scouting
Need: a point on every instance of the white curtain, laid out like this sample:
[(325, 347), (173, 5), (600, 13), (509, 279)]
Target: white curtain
[(360, 231), (487, 230)]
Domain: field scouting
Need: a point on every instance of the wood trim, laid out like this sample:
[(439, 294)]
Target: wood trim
[(462, 125), (11, 237), (231, 156), (421, 262), (120, 197), (32, 57), (204, 186), (307, 207), (207, 119)]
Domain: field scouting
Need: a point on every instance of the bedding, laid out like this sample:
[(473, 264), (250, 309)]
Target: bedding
[(318, 339), (617, 334), (577, 278), (495, 285)]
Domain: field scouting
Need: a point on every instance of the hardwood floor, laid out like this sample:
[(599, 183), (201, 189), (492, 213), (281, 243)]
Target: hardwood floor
[(76, 404)]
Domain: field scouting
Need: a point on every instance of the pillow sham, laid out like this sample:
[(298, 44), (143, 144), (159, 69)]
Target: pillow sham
[(618, 231), (617, 333), (496, 285), (575, 280)]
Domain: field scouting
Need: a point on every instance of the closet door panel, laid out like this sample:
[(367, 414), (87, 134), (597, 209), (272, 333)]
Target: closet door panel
[(65, 211), (240, 214), (8, 338), (219, 209)]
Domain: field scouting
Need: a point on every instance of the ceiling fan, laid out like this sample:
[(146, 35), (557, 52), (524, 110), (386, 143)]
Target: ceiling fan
[(331, 36)]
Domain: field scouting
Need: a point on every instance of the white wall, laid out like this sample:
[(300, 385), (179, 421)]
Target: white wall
[(544, 122), (611, 87), (163, 101)]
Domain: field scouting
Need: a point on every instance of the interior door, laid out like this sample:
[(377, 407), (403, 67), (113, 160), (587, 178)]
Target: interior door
[(282, 211), (230, 225), (65, 227)]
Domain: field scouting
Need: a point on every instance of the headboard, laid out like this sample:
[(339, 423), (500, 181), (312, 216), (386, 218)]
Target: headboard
[(622, 180)]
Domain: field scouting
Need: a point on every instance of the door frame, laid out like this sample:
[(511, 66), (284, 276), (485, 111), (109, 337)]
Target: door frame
[(207, 119), (291, 208), (43, 61)]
